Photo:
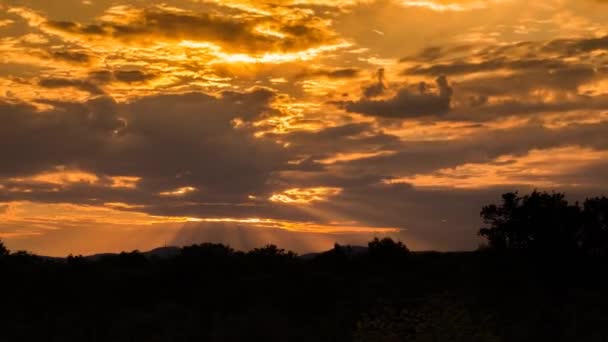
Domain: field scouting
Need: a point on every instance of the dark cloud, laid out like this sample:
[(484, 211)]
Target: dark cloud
[(524, 79), (531, 108), (521, 56), (331, 73), (83, 85), (131, 76), (427, 156), (101, 76), (569, 47), (523, 83), (66, 135), (407, 103), (378, 88), (170, 141), (459, 67), (349, 138), (72, 56), (126, 76)]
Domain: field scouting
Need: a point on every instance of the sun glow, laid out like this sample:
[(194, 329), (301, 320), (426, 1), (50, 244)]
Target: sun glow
[(302, 227)]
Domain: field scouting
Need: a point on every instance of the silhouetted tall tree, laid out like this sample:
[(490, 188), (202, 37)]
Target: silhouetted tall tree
[(3, 250)]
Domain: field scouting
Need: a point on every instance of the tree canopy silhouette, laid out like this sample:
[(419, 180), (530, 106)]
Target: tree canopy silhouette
[(387, 250), (546, 222)]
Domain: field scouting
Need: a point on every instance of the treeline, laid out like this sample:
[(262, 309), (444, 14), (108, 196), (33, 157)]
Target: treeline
[(539, 278)]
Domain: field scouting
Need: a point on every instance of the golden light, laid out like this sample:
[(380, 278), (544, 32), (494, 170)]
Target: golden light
[(64, 177), (121, 205), (268, 57), (445, 7), (179, 191), (305, 195), (125, 182), (302, 227)]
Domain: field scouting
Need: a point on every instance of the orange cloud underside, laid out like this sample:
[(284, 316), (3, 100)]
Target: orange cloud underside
[(541, 168)]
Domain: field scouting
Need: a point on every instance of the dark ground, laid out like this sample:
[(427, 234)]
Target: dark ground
[(211, 293)]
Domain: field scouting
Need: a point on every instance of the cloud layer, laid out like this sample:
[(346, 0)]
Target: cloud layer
[(295, 122)]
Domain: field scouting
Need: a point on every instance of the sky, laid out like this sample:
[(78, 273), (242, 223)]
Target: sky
[(132, 124)]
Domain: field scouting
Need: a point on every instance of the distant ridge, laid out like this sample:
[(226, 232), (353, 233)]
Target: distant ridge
[(160, 252), (349, 250), (172, 251)]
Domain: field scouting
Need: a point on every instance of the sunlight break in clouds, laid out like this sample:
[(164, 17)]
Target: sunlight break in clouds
[(442, 7), (308, 195)]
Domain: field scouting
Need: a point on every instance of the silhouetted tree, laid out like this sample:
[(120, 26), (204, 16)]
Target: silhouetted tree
[(537, 222), (271, 251), (75, 260), (3, 250), (387, 250), (206, 250), (133, 258)]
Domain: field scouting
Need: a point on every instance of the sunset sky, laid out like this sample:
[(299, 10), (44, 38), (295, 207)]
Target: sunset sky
[(132, 124)]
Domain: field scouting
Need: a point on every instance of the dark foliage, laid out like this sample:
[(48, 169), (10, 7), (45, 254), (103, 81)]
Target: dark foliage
[(387, 250), (545, 223)]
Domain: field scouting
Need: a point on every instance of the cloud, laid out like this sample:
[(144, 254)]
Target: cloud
[(71, 56), (528, 78), (132, 76), (406, 103), (245, 33), (444, 6), (463, 67), (39, 141), (377, 88), (75, 83), (170, 141), (331, 73)]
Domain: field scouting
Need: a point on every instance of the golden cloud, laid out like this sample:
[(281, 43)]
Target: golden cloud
[(243, 33)]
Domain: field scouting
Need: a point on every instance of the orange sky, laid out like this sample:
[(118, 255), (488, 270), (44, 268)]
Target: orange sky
[(132, 124)]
